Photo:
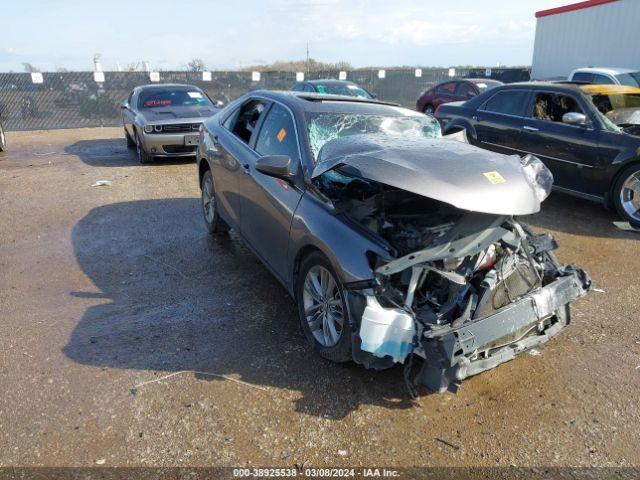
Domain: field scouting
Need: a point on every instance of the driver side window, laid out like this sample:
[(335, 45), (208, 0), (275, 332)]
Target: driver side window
[(278, 136), (551, 106)]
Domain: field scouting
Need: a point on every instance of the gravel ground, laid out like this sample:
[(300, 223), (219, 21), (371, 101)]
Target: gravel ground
[(106, 290)]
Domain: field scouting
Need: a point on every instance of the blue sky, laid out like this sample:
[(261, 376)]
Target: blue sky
[(230, 34)]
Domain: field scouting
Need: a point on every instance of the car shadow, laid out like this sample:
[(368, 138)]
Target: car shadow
[(171, 298), (576, 216), (113, 152)]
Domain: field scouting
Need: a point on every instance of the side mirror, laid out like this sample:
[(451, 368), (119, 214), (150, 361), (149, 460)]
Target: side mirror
[(470, 94), (374, 95), (124, 105), (278, 166), (574, 118)]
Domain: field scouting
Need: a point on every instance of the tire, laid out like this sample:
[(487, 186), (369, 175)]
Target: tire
[(428, 110), (214, 223), (316, 270), (130, 141), (626, 195), (143, 156), (3, 140)]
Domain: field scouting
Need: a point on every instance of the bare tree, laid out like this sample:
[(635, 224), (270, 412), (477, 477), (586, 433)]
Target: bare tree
[(196, 65), (29, 68)]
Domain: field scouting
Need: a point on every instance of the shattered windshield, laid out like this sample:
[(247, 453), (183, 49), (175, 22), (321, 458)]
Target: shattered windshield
[(325, 126)]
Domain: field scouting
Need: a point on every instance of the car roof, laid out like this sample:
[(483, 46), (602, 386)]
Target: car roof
[(330, 80), (481, 80), (609, 70), (320, 102), (166, 85), (608, 89), (564, 84)]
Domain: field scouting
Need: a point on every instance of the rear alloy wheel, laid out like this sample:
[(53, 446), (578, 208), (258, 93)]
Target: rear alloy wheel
[(322, 309), (627, 195), (143, 156), (215, 224), (428, 110)]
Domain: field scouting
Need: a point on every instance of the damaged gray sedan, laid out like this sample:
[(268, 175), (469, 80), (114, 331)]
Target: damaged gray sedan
[(395, 243)]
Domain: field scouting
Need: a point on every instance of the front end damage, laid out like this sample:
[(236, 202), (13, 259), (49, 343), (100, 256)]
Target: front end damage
[(472, 300), (464, 290)]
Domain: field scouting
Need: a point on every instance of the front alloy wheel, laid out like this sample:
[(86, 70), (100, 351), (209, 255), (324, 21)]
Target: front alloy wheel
[(143, 156), (627, 195), (323, 306), (322, 309)]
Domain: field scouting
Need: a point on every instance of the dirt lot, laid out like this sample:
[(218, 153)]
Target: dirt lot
[(105, 288)]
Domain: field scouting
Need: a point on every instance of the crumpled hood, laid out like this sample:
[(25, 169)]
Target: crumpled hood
[(160, 114), (443, 169)]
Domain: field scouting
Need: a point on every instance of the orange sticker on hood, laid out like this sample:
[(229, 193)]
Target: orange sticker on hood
[(281, 134)]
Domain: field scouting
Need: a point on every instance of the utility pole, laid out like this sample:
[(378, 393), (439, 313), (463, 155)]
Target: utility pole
[(97, 62), (307, 58)]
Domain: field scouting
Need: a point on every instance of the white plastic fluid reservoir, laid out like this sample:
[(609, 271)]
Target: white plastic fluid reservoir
[(386, 331)]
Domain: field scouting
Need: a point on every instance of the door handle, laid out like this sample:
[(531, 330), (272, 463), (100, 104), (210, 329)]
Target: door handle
[(215, 141), (531, 129), (476, 118), (246, 168)]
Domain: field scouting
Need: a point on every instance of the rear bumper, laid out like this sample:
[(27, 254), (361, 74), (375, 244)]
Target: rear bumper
[(155, 144), (454, 354)]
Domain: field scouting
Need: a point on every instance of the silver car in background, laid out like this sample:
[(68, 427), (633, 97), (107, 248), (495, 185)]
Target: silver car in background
[(163, 120)]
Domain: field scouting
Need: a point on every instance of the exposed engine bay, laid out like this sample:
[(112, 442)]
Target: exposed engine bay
[(465, 291)]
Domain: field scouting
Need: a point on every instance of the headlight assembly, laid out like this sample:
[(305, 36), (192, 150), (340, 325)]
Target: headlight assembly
[(148, 128), (538, 175)]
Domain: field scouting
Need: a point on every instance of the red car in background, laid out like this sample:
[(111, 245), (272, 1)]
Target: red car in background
[(453, 91)]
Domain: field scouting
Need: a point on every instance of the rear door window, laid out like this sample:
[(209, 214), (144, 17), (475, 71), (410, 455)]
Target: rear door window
[(278, 135), (508, 102), (448, 88), (465, 90), (247, 119)]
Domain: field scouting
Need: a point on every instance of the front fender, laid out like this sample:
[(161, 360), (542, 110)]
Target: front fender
[(315, 225)]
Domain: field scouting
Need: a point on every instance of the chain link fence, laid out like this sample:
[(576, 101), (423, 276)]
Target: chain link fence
[(76, 99)]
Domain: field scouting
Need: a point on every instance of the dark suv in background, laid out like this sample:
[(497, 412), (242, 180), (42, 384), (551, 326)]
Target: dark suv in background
[(587, 135), (453, 91)]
